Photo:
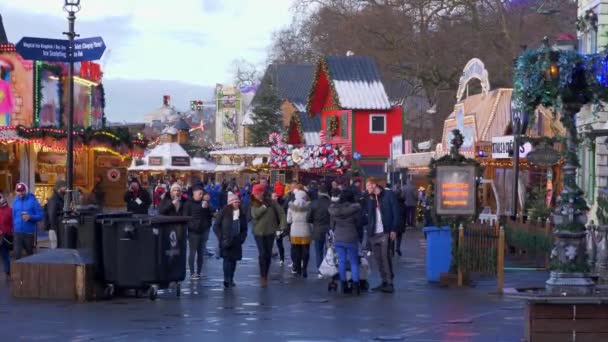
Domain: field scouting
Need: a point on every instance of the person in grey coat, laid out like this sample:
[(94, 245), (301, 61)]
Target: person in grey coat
[(410, 197), (348, 229)]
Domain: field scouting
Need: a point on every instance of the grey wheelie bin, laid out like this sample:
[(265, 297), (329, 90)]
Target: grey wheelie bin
[(144, 253)]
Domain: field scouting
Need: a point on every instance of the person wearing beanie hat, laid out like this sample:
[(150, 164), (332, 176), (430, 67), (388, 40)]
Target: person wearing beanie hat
[(6, 235), (27, 212), (268, 218), (54, 211), (173, 204), (231, 230), (297, 216), (137, 199)]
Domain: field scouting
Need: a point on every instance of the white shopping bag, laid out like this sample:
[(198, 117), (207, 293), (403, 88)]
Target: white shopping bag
[(329, 266), (52, 239)]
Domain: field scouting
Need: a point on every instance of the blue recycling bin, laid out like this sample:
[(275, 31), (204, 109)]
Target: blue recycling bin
[(438, 251)]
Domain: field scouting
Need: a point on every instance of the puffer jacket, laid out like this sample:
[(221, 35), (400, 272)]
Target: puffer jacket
[(268, 217), (346, 222), (297, 216), (201, 218), (319, 216), (30, 205)]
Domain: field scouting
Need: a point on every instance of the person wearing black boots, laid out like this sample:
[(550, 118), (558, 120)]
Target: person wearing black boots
[(231, 231), (346, 222)]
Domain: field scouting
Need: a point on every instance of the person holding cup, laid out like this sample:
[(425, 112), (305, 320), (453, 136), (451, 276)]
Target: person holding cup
[(201, 213), (137, 199), (172, 205), (27, 212)]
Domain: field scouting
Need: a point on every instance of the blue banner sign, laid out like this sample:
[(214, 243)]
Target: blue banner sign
[(56, 50)]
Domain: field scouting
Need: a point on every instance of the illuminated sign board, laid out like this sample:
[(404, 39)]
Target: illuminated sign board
[(455, 191)]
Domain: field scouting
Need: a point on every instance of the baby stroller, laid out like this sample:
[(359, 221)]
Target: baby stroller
[(329, 268)]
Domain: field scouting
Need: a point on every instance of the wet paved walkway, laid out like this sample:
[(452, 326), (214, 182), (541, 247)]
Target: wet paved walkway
[(290, 309)]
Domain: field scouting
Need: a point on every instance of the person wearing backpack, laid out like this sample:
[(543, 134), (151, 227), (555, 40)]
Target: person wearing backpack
[(53, 212), (231, 231)]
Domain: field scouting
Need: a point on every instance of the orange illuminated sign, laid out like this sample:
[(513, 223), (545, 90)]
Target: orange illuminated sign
[(455, 190)]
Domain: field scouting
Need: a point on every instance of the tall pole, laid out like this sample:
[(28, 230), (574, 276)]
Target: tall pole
[(516, 129), (70, 144)]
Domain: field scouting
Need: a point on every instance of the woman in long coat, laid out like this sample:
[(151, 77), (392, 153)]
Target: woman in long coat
[(231, 230)]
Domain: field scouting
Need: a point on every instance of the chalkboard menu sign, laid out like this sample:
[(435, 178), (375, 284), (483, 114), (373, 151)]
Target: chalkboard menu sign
[(180, 161), (155, 161), (455, 191)]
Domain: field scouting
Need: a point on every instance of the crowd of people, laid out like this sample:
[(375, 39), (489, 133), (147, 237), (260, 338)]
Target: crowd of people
[(360, 222)]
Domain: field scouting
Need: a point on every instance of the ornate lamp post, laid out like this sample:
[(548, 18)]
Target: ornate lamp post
[(71, 7)]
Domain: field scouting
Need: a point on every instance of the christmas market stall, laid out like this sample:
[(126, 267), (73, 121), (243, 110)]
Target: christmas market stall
[(242, 163), (357, 122)]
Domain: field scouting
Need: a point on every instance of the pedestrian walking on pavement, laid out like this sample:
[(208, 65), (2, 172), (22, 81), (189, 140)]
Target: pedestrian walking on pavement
[(281, 234), (383, 219), (198, 229), (27, 212), (300, 232), (320, 219), (346, 222), (137, 198), (410, 198), (231, 231), (268, 219), (6, 235)]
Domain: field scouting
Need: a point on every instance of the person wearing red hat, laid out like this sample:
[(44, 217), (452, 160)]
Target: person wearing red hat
[(268, 218), (27, 212)]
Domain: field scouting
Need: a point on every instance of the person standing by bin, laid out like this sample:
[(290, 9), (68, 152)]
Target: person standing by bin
[(231, 231), (347, 226), (27, 212), (54, 211), (172, 205), (297, 216), (137, 199), (198, 229), (268, 219), (6, 235), (383, 220)]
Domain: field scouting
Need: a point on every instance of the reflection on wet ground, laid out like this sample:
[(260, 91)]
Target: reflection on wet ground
[(290, 309)]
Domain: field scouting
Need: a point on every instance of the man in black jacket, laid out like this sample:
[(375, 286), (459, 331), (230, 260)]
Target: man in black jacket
[(198, 229), (173, 204), (383, 220), (54, 211), (319, 217)]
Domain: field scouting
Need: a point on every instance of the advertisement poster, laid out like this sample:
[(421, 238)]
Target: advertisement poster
[(455, 190), (50, 109), (228, 109), (52, 167)]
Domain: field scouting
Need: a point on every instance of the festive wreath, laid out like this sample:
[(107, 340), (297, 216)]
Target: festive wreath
[(332, 127)]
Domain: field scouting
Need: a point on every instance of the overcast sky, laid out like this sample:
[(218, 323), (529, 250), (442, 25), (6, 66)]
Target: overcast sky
[(192, 41)]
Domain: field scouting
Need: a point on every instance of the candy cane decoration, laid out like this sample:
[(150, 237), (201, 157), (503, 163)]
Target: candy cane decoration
[(323, 137), (275, 138)]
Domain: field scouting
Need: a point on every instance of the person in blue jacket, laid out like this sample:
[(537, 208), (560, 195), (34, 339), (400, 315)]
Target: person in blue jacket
[(383, 219), (27, 212)]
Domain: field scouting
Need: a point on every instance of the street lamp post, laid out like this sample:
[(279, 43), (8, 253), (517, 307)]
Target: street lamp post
[(71, 7), (516, 124)]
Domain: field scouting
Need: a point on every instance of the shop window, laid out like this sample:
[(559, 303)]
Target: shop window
[(377, 123), (344, 126)]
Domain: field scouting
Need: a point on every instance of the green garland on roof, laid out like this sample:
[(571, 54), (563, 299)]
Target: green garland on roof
[(114, 137)]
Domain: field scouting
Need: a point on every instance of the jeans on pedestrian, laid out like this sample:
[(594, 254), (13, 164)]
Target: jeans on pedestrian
[(197, 248), (348, 251), (5, 254), (264, 243), (319, 251), (300, 254), (281, 247), (23, 241), (381, 253), (229, 269), (410, 216)]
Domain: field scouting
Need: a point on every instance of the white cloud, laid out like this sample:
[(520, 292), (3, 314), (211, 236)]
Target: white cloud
[(187, 40)]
